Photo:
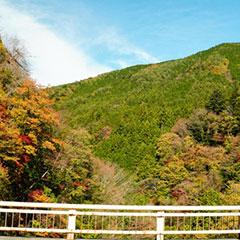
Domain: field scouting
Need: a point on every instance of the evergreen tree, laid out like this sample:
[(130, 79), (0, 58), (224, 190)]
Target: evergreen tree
[(217, 102)]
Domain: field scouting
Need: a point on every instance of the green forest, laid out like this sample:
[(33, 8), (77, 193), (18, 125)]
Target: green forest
[(172, 130)]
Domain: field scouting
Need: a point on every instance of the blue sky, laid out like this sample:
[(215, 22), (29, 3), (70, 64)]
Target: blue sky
[(70, 40)]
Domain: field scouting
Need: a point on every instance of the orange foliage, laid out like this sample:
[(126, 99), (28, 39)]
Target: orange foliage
[(38, 196), (27, 125)]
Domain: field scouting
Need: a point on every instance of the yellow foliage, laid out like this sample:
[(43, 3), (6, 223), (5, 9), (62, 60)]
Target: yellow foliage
[(28, 124), (33, 137), (221, 68), (58, 142), (48, 145), (30, 150), (232, 195)]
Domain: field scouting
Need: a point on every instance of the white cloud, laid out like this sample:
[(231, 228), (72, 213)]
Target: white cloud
[(121, 63), (54, 61), (120, 45)]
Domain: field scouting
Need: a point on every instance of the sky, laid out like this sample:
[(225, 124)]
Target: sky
[(70, 40)]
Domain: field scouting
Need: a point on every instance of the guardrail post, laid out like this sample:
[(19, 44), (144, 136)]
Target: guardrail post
[(160, 225), (71, 224), (239, 226)]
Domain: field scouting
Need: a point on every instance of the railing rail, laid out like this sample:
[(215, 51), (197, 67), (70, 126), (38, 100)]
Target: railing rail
[(156, 221), (118, 207)]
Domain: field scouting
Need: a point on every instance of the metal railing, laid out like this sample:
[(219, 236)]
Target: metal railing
[(154, 221)]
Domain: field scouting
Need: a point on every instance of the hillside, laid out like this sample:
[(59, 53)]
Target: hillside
[(166, 133), (127, 111), (36, 162)]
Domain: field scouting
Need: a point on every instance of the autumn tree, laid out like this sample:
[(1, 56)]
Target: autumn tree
[(28, 131)]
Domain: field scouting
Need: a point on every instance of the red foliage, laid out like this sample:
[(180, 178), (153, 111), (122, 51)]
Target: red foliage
[(3, 116), (25, 158), (18, 164), (34, 194), (26, 139), (238, 156), (86, 183), (80, 184), (168, 161), (77, 184), (177, 192), (153, 202)]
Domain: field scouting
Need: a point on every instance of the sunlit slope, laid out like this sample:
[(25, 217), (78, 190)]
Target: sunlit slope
[(128, 110)]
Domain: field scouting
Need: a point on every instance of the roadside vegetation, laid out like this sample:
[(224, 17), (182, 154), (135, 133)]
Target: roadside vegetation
[(40, 158)]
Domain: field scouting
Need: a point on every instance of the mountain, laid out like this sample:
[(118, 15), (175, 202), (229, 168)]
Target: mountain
[(166, 133), (128, 113), (128, 110)]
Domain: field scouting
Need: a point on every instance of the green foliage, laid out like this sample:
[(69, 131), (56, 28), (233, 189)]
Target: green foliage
[(2, 52), (202, 126), (235, 103), (125, 117), (141, 103), (235, 172), (130, 112), (6, 79), (4, 184), (76, 172), (217, 102), (210, 198), (202, 168)]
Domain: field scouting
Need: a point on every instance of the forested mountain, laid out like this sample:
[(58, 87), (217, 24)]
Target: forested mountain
[(171, 131), (175, 125)]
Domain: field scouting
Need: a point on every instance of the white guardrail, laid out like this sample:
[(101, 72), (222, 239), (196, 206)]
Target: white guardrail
[(83, 219)]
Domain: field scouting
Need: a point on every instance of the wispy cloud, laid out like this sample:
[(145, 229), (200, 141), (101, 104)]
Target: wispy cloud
[(54, 61), (121, 63), (117, 43)]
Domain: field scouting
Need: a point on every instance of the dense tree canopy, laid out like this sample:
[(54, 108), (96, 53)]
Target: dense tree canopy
[(129, 110), (175, 126)]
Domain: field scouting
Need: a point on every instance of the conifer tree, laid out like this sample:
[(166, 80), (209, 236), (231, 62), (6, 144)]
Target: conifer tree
[(217, 102)]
